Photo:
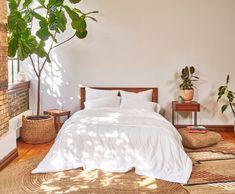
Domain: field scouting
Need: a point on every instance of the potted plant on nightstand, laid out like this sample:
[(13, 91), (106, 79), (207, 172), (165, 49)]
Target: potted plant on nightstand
[(50, 19), (187, 86), (229, 96)]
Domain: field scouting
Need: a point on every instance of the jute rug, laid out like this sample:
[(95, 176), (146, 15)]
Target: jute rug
[(222, 147), (17, 178), (213, 169), (216, 188), (213, 172), (205, 156)]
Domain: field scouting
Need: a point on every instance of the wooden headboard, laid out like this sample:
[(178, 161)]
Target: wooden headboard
[(83, 93)]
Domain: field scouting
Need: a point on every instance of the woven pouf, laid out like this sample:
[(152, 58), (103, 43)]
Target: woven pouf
[(38, 131), (199, 140)]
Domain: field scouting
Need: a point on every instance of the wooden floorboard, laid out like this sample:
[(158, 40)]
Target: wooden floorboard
[(27, 150)]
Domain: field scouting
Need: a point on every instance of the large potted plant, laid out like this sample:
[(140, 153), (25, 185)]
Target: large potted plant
[(32, 25), (187, 86), (229, 97)]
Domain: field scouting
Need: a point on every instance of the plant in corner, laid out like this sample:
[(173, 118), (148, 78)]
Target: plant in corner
[(187, 86), (229, 96), (50, 19)]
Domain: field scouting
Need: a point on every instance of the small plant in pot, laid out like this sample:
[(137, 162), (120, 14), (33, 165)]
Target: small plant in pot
[(187, 86), (229, 96), (50, 18)]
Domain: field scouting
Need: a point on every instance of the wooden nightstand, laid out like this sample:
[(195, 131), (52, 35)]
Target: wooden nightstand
[(193, 107), (57, 114)]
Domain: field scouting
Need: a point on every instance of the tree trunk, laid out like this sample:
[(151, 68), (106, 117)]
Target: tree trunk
[(38, 95)]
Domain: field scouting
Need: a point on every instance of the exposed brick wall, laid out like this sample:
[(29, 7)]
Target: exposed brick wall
[(18, 102), (4, 116)]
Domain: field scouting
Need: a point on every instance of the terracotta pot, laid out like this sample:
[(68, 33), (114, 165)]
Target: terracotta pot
[(36, 130), (187, 95), (234, 126)]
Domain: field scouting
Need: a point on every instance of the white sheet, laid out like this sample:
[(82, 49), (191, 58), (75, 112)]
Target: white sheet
[(115, 140)]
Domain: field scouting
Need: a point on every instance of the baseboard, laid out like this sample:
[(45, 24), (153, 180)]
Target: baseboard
[(7, 159), (228, 128)]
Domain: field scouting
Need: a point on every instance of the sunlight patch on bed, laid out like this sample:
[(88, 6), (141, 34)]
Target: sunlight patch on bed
[(113, 134), (110, 118)]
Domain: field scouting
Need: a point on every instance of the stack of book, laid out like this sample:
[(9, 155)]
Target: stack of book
[(196, 129)]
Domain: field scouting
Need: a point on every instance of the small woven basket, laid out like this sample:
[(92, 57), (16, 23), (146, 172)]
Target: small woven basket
[(38, 131)]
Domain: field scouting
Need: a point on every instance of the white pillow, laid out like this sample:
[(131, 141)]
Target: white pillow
[(143, 96), (96, 93), (137, 104), (103, 102)]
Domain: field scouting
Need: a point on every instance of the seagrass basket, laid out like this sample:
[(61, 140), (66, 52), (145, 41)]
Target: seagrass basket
[(38, 131)]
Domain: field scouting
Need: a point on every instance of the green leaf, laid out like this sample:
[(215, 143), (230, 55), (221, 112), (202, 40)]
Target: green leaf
[(32, 44), (186, 71), (78, 11), (219, 97), (72, 14), (56, 3), (42, 2), (79, 24), (23, 54), (227, 79), (43, 34), (38, 16), (27, 3), (230, 96), (195, 76), (81, 34), (192, 69), (12, 5), (224, 107), (40, 51), (222, 90), (12, 46), (74, 1), (57, 21), (16, 23), (61, 20), (43, 24), (28, 17), (26, 33)]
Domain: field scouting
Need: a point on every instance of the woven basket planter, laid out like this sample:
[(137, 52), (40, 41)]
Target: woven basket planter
[(38, 131)]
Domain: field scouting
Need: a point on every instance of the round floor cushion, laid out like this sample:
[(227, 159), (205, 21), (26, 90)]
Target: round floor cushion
[(199, 140)]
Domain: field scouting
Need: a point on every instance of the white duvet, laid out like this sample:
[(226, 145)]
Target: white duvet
[(116, 140)]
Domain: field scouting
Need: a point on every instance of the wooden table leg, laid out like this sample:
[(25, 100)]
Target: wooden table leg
[(58, 123), (195, 118), (55, 122)]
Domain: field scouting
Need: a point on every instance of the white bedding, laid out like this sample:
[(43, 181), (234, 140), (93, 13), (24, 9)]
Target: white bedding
[(116, 140)]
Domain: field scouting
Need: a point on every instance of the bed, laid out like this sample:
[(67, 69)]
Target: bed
[(116, 139)]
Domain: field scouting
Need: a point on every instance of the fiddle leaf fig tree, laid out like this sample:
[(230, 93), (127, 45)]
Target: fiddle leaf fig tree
[(229, 95), (49, 18)]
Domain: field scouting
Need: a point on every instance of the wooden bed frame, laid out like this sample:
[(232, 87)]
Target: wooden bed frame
[(83, 93)]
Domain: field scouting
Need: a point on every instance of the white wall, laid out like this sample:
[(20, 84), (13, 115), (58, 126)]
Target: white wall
[(8, 142), (146, 43)]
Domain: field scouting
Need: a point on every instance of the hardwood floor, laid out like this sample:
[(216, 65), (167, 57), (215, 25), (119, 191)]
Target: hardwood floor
[(229, 136), (27, 150)]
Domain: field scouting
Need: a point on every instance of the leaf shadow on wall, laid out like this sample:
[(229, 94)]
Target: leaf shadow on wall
[(52, 82)]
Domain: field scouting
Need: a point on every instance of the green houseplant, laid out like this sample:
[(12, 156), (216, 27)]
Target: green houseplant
[(33, 24), (229, 97), (187, 86)]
